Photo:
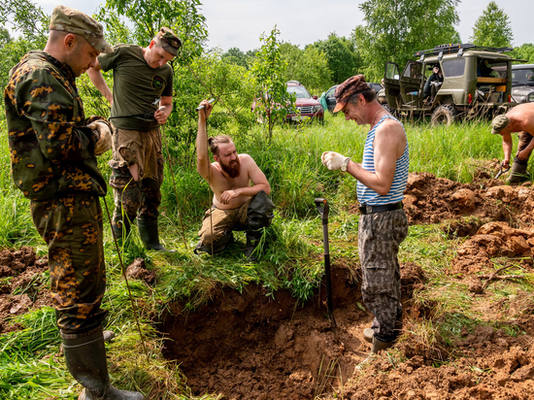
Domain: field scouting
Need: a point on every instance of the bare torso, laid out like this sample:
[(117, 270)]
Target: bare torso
[(522, 118), (220, 182)]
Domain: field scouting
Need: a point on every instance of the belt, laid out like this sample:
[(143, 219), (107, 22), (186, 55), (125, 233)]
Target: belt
[(382, 208)]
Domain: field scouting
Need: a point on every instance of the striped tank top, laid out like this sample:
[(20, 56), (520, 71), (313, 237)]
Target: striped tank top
[(367, 196)]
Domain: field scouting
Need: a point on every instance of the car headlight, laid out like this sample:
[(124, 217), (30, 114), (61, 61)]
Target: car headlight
[(530, 96)]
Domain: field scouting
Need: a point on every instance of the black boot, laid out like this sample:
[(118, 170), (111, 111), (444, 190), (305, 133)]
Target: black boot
[(519, 172), (85, 355), (148, 230), (217, 246)]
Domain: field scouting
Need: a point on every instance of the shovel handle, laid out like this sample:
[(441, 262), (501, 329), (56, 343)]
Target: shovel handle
[(322, 207), (501, 171)]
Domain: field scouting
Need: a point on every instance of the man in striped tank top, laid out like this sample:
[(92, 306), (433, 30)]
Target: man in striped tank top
[(381, 181)]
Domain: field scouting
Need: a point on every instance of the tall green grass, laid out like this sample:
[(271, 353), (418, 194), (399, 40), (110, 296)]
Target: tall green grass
[(291, 162)]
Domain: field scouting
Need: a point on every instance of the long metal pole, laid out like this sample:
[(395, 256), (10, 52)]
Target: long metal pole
[(322, 207), (123, 269)]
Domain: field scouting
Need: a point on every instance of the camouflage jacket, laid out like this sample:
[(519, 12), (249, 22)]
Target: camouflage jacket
[(52, 151)]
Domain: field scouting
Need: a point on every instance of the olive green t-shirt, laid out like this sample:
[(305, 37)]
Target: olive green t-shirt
[(136, 87)]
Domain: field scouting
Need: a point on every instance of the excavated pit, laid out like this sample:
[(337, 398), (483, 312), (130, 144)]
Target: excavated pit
[(251, 346)]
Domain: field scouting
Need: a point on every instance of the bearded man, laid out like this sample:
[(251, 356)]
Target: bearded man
[(240, 191)]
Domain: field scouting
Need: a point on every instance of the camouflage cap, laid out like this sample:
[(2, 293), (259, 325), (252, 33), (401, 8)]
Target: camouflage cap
[(169, 41), (499, 123), (353, 85), (68, 19)]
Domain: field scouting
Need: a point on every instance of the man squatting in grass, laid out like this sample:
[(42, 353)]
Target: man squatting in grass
[(382, 177), (236, 204), (142, 80), (53, 149), (518, 119)]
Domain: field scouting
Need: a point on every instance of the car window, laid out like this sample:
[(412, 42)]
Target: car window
[(392, 71), (299, 91), (523, 76), (453, 67), (331, 92), (412, 70)]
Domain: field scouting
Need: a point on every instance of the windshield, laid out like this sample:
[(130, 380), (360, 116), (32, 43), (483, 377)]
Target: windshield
[(299, 91), (523, 77)]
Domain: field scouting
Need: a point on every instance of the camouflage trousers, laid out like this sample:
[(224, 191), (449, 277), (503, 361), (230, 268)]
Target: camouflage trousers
[(379, 237), (141, 198), (72, 228)]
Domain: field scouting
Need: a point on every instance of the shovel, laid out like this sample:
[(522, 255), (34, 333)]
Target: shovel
[(501, 171), (322, 207)]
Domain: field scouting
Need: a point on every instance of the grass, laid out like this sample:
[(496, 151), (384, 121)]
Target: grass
[(29, 363)]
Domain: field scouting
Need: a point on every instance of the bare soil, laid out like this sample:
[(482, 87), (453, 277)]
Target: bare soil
[(21, 284), (252, 346)]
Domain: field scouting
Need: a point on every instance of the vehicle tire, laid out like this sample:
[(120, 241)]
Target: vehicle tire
[(443, 115)]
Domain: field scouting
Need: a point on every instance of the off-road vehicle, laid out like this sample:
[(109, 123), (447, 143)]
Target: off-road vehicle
[(477, 82), (523, 83)]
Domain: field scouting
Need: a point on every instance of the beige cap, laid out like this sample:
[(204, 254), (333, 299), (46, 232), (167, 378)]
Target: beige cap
[(499, 123), (68, 19)]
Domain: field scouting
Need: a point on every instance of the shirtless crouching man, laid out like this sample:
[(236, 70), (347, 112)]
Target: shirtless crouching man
[(236, 204)]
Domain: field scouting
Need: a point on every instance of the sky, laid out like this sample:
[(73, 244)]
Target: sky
[(239, 23)]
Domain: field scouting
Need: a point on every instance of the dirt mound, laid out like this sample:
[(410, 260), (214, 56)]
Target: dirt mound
[(492, 365), (494, 239), (137, 270), (432, 200), (21, 284), (252, 346)]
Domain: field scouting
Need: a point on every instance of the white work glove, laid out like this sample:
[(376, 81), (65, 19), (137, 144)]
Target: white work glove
[(334, 161), (102, 130)]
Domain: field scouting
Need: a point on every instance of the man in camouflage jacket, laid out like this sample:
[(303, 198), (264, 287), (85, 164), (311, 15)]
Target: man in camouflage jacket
[(53, 155)]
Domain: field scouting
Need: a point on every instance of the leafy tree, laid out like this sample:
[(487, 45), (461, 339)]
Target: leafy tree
[(268, 69), (340, 56), (395, 29), (26, 18), (235, 56), (308, 66), (30, 23), (147, 16), (492, 28), (525, 52)]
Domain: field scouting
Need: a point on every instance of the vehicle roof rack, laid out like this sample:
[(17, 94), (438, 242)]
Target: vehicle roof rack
[(456, 48)]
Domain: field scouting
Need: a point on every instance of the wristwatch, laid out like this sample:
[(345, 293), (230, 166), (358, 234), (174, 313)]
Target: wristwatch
[(345, 164)]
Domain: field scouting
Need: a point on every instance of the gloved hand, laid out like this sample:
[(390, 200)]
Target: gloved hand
[(333, 160), (102, 130)]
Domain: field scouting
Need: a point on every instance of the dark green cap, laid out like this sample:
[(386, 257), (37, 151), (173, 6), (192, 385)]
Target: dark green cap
[(68, 19), (169, 41)]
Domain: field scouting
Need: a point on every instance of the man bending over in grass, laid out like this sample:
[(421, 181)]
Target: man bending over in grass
[(382, 177), (236, 204), (519, 119)]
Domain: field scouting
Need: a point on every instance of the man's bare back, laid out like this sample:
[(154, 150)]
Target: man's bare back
[(522, 118)]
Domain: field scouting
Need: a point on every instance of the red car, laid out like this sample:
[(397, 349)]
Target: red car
[(308, 106)]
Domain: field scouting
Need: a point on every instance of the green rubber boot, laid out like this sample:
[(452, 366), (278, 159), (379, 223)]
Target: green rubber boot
[(148, 230), (85, 355), (519, 172)]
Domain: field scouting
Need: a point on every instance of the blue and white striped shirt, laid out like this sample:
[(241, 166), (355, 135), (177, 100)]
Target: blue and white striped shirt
[(367, 196)]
